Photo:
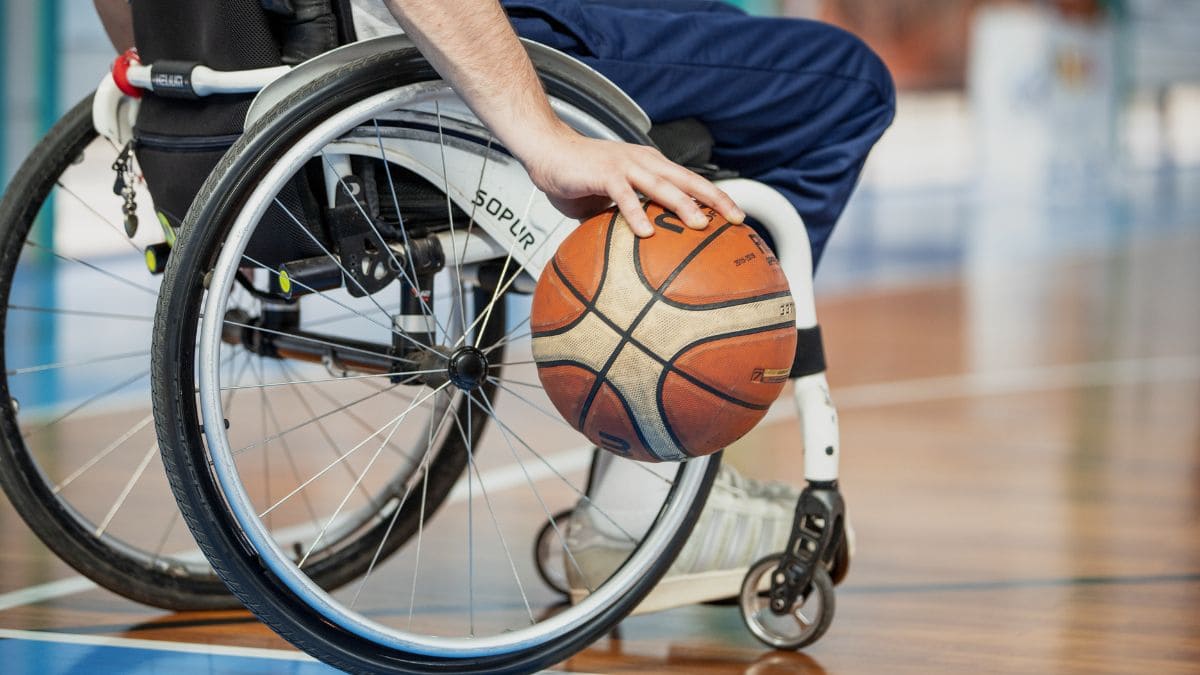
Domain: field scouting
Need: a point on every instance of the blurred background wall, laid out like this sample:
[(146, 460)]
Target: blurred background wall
[(1017, 104)]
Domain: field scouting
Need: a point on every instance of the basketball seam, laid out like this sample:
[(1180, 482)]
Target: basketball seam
[(633, 420), (578, 296), (627, 334), (695, 306), (608, 233), (726, 303), (565, 362), (669, 364)]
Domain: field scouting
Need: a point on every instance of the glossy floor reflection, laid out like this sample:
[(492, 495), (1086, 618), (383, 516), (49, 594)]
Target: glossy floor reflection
[(1021, 463)]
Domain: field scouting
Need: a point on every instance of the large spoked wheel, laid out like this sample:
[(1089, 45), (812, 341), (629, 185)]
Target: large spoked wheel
[(430, 335), (79, 460)]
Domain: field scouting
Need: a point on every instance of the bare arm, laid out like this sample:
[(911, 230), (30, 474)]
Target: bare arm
[(472, 45), (118, 22)]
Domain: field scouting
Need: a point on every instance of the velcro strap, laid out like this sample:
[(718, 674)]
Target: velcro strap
[(810, 353), (173, 79)]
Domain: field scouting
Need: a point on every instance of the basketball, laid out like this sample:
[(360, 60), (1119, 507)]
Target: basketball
[(667, 347)]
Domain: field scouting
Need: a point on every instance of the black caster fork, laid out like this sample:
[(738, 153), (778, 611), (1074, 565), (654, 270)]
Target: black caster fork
[(787, 598)]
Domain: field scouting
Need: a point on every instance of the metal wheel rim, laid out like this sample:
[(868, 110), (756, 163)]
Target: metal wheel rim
[(764, 623), (686, 486)]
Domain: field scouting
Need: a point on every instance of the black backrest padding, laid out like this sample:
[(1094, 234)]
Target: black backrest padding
[(686, 141)]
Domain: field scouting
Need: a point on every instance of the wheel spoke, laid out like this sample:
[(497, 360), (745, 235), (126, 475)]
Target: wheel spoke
[(85, 403), (59, 365), (324, 432), (162, 541), (351, 414), (268, 385), (462, 305), (95, 268), (287, 450), (395, 426), (342, 317), (403, 230), (487, 154), (119, 230), (80, 312), (560, 420), (137, 475), (347, 275), (394, 421), (307, 338), (430, 433), (562, 540), (105, 452), (472, 467), (322, 294), (510, 337), (505, 286), (422, 467), (556, 472), (281, 434)]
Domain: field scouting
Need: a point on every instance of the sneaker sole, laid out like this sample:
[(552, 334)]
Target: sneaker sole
[(684, 589)]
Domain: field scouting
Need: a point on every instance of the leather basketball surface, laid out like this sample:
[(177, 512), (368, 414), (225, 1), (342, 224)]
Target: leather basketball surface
[(667, 347)]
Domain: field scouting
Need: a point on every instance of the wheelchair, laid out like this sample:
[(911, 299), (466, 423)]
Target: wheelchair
[(321, 416)]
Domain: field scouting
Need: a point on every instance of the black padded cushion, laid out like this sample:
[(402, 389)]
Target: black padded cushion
[(686, 141)]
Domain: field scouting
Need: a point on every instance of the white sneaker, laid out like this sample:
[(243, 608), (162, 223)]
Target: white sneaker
[(743, 520)]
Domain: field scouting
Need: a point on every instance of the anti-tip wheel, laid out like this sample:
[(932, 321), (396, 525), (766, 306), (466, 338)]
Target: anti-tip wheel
[(548, 554), (804, 623)]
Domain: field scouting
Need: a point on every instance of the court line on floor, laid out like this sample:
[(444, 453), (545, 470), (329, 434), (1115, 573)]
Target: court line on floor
[(899, 392), (172, 646), (54, 589), (158, 645)]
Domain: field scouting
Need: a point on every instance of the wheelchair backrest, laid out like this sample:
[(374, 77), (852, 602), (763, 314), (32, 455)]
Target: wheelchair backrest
[(178, 141)]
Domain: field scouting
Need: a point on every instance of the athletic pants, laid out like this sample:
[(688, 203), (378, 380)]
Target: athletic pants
[(793, 103)]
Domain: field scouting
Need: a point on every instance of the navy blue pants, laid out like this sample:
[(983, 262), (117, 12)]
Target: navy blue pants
[(793, 103)]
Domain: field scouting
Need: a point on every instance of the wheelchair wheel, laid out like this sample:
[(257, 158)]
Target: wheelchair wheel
[(78, 306), (430, 332), (79, 456)]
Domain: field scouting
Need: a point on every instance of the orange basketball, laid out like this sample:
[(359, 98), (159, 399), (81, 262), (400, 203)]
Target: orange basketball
[(663, 348)]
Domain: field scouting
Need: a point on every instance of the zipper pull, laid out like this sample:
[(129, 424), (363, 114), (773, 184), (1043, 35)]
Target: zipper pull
[(123, 187), (118, 167)]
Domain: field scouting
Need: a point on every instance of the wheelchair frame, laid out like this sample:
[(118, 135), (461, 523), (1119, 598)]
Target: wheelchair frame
[(511, 226)]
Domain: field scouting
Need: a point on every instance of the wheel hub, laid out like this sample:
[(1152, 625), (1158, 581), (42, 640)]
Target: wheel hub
[(467, 368)]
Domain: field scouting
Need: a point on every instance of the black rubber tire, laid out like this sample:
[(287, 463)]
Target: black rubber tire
[(177, 422), (111, 564), (119, 566)]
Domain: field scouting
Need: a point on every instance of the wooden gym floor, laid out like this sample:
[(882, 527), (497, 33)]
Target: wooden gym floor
[(1021, 464)]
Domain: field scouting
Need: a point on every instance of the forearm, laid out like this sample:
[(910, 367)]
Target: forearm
[(118, 22), (472, 45)]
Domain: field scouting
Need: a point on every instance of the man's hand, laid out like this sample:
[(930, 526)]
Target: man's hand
[(472, 45), (582, 176)]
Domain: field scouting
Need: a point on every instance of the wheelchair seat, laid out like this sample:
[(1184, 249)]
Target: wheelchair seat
[(689, 143)]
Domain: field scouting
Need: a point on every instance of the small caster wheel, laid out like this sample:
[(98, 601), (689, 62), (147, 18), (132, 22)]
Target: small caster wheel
[(805, 622), (548, 554)]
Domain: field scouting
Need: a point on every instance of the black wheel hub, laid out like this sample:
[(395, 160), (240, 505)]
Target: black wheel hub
[(468, 368)]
